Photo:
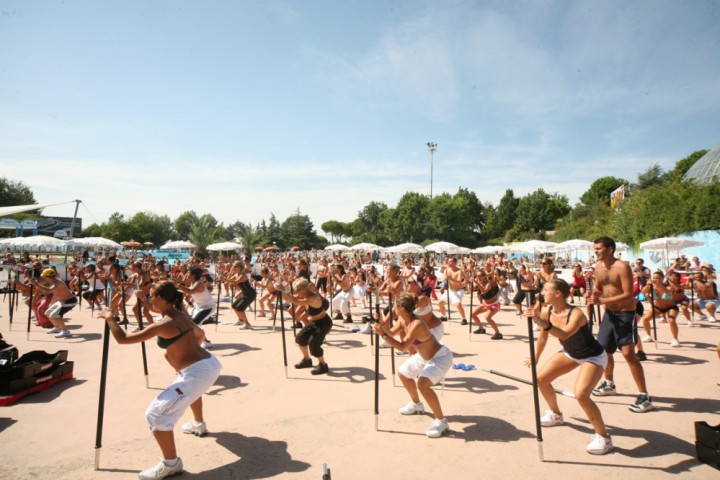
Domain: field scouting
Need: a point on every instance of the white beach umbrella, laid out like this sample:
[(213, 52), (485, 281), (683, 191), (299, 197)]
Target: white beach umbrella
[(442, 247), (406, 248), (366, 247), (532, 246), (668, 244), (224, 247), (337, 247), (35, 241), (94, 242), (489, 249), (177, 244)]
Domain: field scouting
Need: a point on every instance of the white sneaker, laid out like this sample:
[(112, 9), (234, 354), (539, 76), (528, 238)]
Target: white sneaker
[(53, 330), (367, 329), (675, 343), (199, 429), (245, 326), (384, 344), (551, 419), (64, 334), (599, 445), (412, 409), (161, 470), (207, 344), (437, 428), (647, 338)]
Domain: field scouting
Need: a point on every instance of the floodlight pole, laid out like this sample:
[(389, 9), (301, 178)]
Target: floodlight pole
[(432, 147)]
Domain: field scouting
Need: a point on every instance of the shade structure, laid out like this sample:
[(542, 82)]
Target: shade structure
[(34, 241), (489, 249), (224, 247), (406, 248), (177, 244), (533, 246), (337, 247), (94, 242), (575, 244), (442, 247), (366, 247), (670, 243)]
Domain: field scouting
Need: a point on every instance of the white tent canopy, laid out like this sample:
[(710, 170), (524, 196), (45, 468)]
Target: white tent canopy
[(224, 247), (4, 211)]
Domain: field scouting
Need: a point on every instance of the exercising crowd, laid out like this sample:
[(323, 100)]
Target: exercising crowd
[(181, 297)]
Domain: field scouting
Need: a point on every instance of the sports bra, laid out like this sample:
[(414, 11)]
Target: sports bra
[(164, 343), (312, 311), (419, 311), (490, 293)]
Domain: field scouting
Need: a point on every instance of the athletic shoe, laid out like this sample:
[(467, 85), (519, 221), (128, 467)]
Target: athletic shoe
[(464, 322), (384, 344), (412, 409), (438, 428), (641, 356), (497, 336), (304, 363), (348, 319), (161, 470), (551, 419), (479, 331), (599, 445), (53, 330), (675, 343), (207, 344), (647, 338), (604, 389), (320, 369), (245, 326), (199, 429), (642, 404), (64, 334), (536, 328), (211, 319), (443, 319), (367, 329), (338, 316)]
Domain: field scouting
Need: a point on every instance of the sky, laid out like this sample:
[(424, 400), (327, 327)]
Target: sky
[(244, 109)]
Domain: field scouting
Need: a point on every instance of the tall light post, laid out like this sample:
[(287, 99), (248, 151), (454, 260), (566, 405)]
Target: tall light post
[(432, 147)]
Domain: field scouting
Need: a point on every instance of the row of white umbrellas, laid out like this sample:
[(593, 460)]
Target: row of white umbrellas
[(665, 244), (38, 241)]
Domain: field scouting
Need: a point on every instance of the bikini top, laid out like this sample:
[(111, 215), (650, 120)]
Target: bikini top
[(164, 343), (312, 311)]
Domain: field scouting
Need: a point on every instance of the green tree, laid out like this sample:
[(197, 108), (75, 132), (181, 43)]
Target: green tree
[(600, 190), (14, 193), (539, 210), (204, 231), (298, 230), (149, 227), (183, 224), (501, 219), (336, 229), (250, 237), (652, 176), (367, 227), (682, 166), (409, 218)]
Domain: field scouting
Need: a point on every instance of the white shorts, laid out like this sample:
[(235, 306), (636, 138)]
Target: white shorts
[(438, 332), (191, 382), (599, 360), (433, 369), (456, 296), (359, 290)]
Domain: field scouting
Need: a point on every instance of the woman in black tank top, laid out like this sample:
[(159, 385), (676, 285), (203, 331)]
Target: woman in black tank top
[(310, 338), (580, 349)]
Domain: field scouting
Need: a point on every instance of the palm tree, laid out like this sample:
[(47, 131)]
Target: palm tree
[(203, 231), (250, 238)]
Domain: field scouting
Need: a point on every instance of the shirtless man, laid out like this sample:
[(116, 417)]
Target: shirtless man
[(341, 301), (705, 289), (614, 289), (456, 289), (63, 302), (392, 287)]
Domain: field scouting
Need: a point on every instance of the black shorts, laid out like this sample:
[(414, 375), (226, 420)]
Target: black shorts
[(617, 329)]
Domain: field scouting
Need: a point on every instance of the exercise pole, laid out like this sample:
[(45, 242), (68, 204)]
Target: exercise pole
[(101, 396), (536, 397), (377, 369)]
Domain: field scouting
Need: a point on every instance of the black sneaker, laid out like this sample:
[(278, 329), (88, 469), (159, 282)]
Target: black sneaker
[(479, 331), (348, 319), (642, 404), (298, 325), (304, 363), (641, 356), (464, 322), (338, 316), (497, 336), (320, 369), (444, 319)]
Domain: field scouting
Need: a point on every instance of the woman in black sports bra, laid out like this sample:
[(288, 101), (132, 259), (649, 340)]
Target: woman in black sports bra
[(197, 372), (580, 349), (310, 338)]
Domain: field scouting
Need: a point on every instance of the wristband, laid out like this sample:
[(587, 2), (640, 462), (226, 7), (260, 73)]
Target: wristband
[(550, 325)]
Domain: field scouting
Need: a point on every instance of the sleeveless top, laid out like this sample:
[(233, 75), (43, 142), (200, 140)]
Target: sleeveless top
[(313, 311), (166, 342), (581, 344), (490, 293), (203, 300), (247, 289)]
